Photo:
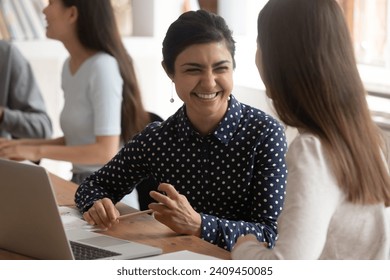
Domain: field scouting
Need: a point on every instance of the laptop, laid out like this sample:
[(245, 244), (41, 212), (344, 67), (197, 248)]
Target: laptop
[(31, 224)]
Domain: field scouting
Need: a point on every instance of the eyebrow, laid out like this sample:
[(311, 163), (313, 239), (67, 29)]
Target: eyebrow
[(219, 63)]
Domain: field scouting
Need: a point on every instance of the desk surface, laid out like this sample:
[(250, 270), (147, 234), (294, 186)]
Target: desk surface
[(142, 229)]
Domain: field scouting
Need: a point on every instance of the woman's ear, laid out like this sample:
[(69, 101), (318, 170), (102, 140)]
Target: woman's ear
[(170, 75), (74, 14)]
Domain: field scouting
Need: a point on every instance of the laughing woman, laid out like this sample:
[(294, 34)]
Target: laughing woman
[(220, 163)]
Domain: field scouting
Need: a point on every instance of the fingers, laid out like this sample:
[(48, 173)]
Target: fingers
[(174, 210), (159, 197), (168, 197), (6, 152), (166, 200), (10, 152), (4, 143), (169, 190), (103, 213), (158, 208)]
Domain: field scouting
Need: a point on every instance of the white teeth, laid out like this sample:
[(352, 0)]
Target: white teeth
[(207, 95)]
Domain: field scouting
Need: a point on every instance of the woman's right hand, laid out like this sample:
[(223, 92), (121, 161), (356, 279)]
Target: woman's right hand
[(5, 142), (103, 214)]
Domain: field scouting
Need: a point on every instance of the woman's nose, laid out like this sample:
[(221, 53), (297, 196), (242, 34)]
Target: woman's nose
[(208, 80)]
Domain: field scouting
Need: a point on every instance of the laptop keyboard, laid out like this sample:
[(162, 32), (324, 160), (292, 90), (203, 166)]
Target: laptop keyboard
[(86, 252)]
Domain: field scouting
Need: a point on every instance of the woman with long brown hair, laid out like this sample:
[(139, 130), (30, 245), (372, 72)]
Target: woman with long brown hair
[(338, 187), (103, 106)]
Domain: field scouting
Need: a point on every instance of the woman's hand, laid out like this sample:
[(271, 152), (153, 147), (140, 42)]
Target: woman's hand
[(174, 211), (246, 238), (103, 213), (15, 150)]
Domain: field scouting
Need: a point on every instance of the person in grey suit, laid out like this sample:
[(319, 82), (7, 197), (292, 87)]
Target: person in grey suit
[(22, 108)]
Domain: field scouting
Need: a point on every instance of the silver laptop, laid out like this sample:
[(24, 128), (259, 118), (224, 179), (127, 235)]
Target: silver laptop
[(31, 224)]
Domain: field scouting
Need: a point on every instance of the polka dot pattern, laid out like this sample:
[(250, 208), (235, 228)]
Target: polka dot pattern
[(235, 177)]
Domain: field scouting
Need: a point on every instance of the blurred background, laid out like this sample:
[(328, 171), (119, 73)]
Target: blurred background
[(143, 24)]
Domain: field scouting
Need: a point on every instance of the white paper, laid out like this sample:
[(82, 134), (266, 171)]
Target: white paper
[(72, 219), (181, 255)]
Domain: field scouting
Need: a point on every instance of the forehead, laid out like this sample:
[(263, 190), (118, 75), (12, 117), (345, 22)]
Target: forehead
[(205, 53)]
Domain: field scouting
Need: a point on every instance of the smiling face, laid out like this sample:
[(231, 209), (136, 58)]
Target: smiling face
[(60, 20), (204, 81)]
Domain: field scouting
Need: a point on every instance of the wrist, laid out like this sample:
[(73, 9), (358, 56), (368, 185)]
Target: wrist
[(197, 227), (39, 152)]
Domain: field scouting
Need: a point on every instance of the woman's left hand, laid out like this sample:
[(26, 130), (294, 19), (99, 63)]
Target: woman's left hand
[(174, 211), (247, 238)]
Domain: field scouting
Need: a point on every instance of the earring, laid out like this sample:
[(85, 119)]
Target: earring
[(172, 89)]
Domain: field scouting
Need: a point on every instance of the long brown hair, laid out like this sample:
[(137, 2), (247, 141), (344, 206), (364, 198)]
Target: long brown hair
[(310, 73), (97, 30)]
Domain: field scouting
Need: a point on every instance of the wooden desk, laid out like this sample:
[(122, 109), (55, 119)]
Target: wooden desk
[(143, 229)]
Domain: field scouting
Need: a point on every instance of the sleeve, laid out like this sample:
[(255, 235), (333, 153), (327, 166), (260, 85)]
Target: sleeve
[(311, 199), (105, 94), (25, 114), (117, 178), (269, 182), (252, 250)]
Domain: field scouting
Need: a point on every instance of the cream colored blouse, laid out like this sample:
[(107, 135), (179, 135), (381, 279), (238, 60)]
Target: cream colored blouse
[(317, 221)]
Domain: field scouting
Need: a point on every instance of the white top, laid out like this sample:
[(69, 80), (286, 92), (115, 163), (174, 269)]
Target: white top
[(93, 99), (317, 222)]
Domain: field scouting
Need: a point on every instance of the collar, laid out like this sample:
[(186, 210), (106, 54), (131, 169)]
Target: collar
[(225, 129)]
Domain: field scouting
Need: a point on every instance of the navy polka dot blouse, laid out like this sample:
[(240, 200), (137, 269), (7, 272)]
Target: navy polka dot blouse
[(235, 177)]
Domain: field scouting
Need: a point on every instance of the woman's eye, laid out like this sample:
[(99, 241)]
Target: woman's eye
[(222, 69), (192, 70)]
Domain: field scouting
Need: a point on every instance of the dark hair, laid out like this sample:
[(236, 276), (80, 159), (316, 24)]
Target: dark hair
[(97, 30), (310, 72), (195, 27)]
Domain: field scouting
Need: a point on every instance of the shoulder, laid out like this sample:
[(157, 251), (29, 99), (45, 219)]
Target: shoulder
[(270, 131), (149, 138), (255, 115), (102, 57), (306, 152), (159, 130), (311, 179), (104, 68), (104, 63), (306, 143), (9, 52), (5, 47)]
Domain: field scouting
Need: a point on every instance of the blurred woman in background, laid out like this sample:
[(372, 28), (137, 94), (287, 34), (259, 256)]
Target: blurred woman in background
[(103, 105)]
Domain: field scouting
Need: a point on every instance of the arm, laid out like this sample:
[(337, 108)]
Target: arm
[(311, 199), (92, 138), (112, 180), (25, 114), (174, 211), (265, 200), (28, 141), (99, 152)]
